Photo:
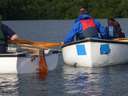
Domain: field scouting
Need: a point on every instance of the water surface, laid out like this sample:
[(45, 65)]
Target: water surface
[(68, 81), (63, 80)]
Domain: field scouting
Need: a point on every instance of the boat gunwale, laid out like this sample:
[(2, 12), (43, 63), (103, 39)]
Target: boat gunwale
[(14, 54), (94, 40)]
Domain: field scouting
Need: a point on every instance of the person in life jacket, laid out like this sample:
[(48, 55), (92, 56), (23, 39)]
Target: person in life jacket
[(114, 29), (5, 34), (85, 26)]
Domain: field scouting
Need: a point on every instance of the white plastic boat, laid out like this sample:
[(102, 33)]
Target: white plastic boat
[(22, 62), (95, 53)]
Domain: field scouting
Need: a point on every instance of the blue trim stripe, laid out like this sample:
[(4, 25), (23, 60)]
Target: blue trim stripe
[(81, 50)]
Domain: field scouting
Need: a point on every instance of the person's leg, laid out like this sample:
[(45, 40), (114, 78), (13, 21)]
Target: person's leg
[(2, 48)]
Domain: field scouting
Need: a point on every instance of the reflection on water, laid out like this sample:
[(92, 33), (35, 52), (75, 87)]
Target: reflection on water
[(109, 81), (68, 81), (30, 85), (8, 84)]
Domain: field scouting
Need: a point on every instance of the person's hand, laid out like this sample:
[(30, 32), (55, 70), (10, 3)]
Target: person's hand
[(14, 37), (62, 43)]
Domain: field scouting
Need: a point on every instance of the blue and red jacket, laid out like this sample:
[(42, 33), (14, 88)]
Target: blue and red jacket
[(87, 23), (80, 25)]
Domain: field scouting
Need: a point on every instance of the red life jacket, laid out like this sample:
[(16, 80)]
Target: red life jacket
[(89, 29), (89, 23)]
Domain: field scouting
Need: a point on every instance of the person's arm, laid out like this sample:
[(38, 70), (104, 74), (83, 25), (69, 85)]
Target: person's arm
[(118, 27), (101, 29), (9, 33), (77, 27)]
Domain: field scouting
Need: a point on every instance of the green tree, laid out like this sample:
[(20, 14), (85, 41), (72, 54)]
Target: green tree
[(61, 9)]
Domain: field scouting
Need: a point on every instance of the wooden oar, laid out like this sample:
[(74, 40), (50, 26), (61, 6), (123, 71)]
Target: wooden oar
[(43, 68), (36, 43), (47, 44), (20, 41), (121, 39)]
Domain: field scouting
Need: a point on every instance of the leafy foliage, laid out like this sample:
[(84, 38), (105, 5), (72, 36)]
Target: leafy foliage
[(61, 9)]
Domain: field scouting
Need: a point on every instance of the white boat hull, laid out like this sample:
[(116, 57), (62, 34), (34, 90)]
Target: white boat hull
[(95, 53), (21, 62)]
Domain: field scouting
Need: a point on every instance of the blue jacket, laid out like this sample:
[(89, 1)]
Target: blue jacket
[(77, 27)]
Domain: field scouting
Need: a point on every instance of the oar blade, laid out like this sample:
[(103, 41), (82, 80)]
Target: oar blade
[(43, 68)]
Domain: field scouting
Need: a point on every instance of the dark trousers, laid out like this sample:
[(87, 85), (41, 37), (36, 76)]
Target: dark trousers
[(3, 48)]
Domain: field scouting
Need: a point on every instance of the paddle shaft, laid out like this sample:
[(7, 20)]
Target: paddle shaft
[(36, 43), (121, 39)]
